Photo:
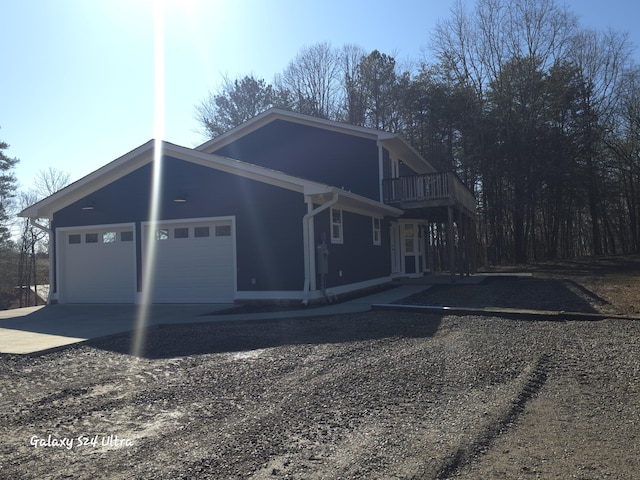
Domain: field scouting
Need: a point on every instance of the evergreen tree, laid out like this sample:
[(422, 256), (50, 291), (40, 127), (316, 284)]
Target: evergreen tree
[(8, 186), (235, 103)]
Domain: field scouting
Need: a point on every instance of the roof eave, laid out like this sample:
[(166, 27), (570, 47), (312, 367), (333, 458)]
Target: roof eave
[(90, 183), (274, 114)]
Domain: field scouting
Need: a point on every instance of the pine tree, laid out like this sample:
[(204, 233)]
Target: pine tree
[(8, 186)]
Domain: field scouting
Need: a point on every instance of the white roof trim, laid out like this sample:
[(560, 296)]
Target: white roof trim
[(144, 154), (92, 182), (392, 141), (273, 114)]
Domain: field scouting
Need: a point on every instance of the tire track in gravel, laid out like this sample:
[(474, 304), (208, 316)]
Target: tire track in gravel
[(532, 383)]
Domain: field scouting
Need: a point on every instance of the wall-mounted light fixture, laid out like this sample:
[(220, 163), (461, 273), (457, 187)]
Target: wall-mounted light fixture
[(88, 207), (180, 200)]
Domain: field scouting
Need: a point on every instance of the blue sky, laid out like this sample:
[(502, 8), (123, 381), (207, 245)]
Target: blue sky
[(77, 82)]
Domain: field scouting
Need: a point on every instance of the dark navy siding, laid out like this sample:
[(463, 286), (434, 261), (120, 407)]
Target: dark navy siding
[(404, 170), (386, 164), (357, 257), (268, 218), (316, 154)]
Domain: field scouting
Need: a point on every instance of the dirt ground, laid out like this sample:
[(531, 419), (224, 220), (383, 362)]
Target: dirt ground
[(380, 395)]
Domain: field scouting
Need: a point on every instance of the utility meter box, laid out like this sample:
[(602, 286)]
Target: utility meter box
[(323, 259)]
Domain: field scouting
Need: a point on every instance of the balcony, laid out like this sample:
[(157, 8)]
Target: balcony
[(428, 191)]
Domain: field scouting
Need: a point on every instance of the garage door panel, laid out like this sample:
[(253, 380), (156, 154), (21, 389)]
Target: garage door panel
[(101, 271), (190, 268)]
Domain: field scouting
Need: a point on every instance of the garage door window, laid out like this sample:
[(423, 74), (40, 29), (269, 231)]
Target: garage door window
[(200, 232), (223, 230), (162, 234), (181, 233), (74, 239), (109, 237), (126, 236), (91, 238)]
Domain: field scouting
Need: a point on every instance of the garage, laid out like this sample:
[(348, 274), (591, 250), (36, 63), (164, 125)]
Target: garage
[(99, 264), (194, 261)]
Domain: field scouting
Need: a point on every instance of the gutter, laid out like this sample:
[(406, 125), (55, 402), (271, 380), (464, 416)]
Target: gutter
[(308, 243)]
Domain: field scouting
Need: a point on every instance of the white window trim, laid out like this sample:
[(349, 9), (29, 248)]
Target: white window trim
[(340, 238), (376, 241)]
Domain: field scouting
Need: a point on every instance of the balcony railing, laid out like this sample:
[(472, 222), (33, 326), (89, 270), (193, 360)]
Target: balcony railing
[(430, 189)]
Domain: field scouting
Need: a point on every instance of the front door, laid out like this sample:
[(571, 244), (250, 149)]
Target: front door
[(412, 234)]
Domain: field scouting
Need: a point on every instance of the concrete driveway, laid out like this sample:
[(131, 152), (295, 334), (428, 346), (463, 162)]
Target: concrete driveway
[(36, 329)]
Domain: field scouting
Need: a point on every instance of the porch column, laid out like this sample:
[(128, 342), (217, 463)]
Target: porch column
[(451, 244)]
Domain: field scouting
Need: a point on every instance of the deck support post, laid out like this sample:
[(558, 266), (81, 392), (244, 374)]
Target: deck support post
[(451, 244)]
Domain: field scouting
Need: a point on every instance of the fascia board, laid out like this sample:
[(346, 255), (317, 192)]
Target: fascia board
[(246, 170), (361, 204), (407, 153), (355, 203), (90, 183), (274, 114), (144, 154)]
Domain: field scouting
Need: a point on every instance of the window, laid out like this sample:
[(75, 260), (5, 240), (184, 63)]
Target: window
[(91, 238), (408, 238), (223, 230), (109, 237), (336, 226), (182, 232), (162, 234), (126, 236), (200, 232), (376, 231), (75, 238)]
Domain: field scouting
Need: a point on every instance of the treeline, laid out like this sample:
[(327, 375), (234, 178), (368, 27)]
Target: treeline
[(537, 114)]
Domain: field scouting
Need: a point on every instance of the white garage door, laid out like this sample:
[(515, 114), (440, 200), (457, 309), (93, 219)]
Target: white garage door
[(194, 262), (97, 265)]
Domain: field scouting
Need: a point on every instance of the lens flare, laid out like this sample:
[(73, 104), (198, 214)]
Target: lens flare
[(148, 236)]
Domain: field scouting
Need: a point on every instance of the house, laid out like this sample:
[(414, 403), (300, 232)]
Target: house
[(282, 207)]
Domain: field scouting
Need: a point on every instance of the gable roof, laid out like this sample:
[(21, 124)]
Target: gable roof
[(391, 141), (144, 154)]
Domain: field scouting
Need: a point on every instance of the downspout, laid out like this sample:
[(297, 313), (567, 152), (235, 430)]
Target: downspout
[(380, 170), (50, 233), (307, 240)]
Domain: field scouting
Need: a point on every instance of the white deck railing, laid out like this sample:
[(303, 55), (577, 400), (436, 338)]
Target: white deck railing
[(427, 188)]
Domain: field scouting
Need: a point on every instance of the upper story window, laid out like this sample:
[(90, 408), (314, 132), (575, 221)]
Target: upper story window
[(336, 226), (376, 223)]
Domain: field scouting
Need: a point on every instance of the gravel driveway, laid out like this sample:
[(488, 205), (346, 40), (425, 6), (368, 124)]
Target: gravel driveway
[(373, 395)]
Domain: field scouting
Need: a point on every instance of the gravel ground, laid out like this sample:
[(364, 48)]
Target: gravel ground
[(509, 292), (384, 395)]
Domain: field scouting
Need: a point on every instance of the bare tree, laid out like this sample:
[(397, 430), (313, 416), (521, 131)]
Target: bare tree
[(34, 240), (49, 181), (354, 96), (600, 59), (503, 50), (312, 80)]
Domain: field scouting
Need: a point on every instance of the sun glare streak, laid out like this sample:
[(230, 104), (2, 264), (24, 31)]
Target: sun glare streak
[(142, 317)]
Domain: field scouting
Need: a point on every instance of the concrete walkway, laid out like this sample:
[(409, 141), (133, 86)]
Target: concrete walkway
[(36, 329)]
